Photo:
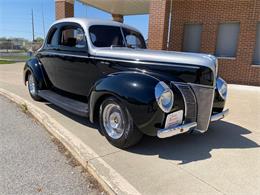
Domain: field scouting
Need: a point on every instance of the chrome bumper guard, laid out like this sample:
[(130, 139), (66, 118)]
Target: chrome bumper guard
[(219, 116), (169, 132), (172, 131)]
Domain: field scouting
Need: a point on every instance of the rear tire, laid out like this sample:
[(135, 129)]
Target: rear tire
[(117, 124), (33, 87)]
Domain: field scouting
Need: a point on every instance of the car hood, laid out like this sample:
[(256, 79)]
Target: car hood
[(158, 56)]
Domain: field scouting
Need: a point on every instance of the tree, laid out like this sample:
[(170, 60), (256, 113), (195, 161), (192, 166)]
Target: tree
[(39, 40)]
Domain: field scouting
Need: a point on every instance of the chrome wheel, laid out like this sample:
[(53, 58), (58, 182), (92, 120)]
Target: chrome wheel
[(31, 85), (117, 125), (113, 120)]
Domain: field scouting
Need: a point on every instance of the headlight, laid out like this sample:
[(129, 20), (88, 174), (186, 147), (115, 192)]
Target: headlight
[(164, 96), (222, 88)]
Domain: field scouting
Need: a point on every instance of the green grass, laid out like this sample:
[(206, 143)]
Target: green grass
[(13, 51), (24, 108), (6, 62), (15, 57)]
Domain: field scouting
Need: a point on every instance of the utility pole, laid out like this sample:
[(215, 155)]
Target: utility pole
[(32, 27), (43, 22)]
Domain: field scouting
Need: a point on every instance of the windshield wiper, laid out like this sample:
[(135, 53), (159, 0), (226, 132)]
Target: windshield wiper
[(131, 46), (128, 46)]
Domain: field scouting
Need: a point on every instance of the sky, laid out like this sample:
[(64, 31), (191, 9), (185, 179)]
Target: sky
[(15, 17)]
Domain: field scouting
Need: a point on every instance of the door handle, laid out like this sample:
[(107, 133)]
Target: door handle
[(104, 62)]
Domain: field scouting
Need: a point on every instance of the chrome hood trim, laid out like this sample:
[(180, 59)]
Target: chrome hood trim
[(159, 56)]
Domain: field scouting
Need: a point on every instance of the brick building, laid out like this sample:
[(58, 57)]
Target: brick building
[(209, 21), (229, 29)]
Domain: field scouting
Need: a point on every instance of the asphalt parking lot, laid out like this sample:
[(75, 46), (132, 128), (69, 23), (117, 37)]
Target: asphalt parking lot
[(225, 160), (31, 163)]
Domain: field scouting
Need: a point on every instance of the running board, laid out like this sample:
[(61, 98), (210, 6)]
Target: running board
[(68, 104)]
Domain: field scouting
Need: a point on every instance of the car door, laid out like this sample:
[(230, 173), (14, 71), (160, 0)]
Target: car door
[(75, 71), (47, 55)]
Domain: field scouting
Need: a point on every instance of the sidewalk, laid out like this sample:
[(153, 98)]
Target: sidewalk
[(222, 161)]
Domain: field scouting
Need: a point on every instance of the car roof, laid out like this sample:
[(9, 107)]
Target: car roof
[(89, 22)]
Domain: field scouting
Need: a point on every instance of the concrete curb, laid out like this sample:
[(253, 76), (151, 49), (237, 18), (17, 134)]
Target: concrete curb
[(109, 178)]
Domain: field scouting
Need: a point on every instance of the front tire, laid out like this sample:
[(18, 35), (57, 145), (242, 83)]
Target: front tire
[(117, 124), (33, 87)]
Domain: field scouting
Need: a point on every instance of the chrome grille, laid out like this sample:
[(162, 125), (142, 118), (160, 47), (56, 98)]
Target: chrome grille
[(204, 96), (198, 103), (189, 100)]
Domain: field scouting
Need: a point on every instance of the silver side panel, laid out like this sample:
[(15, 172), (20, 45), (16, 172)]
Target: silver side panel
[(198, 104)]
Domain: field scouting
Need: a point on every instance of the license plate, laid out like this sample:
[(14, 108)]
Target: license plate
[(174, 119)]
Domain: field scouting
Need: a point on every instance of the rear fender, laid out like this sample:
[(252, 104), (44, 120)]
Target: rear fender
[(34, 66)]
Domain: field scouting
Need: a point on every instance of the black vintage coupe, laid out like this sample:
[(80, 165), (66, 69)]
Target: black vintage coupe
[(102, 70)]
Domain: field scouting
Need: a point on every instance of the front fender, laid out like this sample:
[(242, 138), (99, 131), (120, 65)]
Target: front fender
[(33, 65), (136, 91)]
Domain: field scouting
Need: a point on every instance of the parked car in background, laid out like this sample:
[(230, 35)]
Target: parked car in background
[(103, 70)]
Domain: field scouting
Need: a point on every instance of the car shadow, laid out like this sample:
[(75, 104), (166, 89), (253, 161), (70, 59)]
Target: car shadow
[(195, 147), (186, 147)]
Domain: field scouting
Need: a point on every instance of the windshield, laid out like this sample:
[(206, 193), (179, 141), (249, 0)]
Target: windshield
[(107, 36)]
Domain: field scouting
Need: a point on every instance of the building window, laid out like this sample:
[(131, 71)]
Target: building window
[(227, 39), (192, 37), (256, 59)]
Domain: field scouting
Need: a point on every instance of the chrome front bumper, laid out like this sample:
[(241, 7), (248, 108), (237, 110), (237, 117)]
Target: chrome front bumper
[(219, 116), (169, 132), (172, 131)]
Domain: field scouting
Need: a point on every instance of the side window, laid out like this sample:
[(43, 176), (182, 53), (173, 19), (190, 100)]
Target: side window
[(53, 38), (73, 37), (133, 39)]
